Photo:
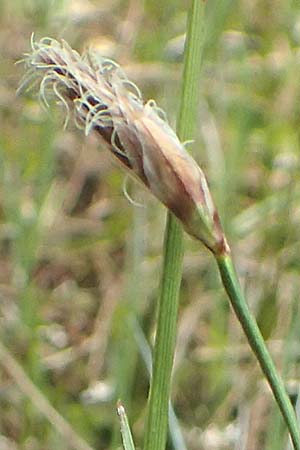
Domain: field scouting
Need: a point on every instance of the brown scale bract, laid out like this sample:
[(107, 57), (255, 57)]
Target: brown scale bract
[(100, 97)]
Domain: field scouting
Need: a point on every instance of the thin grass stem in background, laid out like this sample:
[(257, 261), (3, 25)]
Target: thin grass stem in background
[(256, 341), (157, 420), (40, 402)]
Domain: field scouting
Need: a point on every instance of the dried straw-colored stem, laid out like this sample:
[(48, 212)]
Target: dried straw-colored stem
[(42, 404)]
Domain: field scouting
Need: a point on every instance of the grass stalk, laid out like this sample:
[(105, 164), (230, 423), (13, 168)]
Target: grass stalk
[(163, 355), (256, 341)]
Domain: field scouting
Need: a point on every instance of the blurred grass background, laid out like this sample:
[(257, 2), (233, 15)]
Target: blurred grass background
[(80, 265)]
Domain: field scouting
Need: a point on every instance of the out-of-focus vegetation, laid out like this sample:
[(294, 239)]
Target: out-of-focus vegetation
[(80, 265)]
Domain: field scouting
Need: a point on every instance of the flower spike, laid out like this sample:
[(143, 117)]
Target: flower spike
[(101, 98)]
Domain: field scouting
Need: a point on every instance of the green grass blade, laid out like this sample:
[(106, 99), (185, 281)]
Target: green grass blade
[(157, 420), (125, 429), (157, 425), (176, 436)]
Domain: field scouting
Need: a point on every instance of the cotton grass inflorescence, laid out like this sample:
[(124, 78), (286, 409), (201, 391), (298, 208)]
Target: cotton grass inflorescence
[(100, 97)]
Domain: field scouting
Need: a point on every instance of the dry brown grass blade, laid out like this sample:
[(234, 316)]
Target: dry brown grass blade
[(17, 373)]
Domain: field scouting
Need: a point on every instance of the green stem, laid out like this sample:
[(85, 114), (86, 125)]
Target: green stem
[(163, 355), (157, 424), (256, 341)]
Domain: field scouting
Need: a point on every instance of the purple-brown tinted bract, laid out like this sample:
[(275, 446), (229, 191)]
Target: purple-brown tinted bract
[(101, 98)]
